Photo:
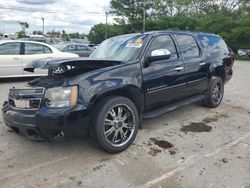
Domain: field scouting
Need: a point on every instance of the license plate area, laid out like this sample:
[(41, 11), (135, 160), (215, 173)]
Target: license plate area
[(27, 104), (26, 99)]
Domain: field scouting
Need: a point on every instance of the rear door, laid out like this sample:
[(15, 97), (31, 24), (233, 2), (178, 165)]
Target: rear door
[(83, 51), (196, 66), (163, 81), (10, 59), (34, 51)]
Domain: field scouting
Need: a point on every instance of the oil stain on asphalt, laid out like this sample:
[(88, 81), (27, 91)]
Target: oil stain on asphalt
[(163, 144), (196, 127), (202, 126)]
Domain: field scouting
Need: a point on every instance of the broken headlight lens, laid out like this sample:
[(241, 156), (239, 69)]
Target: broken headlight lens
[(60, 97)]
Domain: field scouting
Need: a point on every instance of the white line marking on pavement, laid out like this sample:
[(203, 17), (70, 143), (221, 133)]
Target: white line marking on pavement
[(183, 164), (35, 167)]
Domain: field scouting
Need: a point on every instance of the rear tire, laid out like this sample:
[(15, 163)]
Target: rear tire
[(116, 122), (215, 92)]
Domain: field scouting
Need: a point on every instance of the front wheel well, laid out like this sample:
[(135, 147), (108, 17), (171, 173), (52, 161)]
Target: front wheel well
[(132, 93)]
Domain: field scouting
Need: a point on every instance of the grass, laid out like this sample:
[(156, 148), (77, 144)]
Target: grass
[(243, 58)]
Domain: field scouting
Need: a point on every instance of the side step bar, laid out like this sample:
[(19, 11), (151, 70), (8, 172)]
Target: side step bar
[(171, 107)]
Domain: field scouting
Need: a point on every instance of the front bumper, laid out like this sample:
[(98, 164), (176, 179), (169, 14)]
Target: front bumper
[(46, 123)]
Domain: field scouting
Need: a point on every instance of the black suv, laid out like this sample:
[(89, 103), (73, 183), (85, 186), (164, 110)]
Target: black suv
[(128, 78)]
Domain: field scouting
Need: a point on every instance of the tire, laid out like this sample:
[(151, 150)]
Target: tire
[(215, 92), (119, 117), (57, 70)]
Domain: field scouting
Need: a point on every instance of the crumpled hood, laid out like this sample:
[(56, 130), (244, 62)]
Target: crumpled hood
[(80, 65)]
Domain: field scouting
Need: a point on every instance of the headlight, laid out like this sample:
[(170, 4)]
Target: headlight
[(60, 97)]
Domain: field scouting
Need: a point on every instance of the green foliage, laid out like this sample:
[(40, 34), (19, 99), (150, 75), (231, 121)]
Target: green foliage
[(37, 32), (21, 34), (97, 32), (230, 19)]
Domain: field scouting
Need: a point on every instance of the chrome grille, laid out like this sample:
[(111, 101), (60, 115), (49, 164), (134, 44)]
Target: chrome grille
[(28, 99)]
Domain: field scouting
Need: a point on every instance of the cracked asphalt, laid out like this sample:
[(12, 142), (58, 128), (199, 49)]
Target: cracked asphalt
[(191, 147)]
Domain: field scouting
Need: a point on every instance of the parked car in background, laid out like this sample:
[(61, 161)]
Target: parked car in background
[(80, 49), (14, 55), (244, 52), (93, 45)]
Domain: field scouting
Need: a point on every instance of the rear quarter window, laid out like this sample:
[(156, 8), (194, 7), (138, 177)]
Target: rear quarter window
[(213, 43)]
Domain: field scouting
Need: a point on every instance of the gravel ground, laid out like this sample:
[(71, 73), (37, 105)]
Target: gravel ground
[(190, 147)]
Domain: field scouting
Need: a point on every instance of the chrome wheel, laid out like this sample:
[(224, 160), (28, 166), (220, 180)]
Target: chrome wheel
[(119, 125), (217, 93)]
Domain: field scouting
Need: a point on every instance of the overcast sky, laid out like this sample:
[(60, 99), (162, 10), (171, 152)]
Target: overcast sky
[(72, 16)]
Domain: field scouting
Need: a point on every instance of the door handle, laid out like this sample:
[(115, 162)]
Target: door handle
[(203, 63), (16, 58), (178, 68)]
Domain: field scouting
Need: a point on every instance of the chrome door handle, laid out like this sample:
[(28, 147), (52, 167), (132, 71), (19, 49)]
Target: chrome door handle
[(203, 63), (178, 68)]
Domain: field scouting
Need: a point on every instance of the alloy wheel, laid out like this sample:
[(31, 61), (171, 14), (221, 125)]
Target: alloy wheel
[(119, 125)]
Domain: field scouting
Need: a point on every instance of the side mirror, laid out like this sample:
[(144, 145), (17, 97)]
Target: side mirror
[(158, 55)]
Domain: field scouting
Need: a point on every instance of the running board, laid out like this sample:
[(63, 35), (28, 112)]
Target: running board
[(174, 106)]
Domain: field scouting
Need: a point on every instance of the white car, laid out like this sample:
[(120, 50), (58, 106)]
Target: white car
[(15, 55)]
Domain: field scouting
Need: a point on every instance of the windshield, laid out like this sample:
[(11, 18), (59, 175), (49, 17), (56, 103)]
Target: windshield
[(120, 48)]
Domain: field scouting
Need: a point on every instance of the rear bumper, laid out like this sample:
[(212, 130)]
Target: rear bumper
[(48, 124)]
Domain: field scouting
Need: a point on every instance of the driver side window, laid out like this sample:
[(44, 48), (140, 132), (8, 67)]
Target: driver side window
[(163, 42)]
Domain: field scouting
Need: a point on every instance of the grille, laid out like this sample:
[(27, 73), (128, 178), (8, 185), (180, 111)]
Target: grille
[(28, 99)]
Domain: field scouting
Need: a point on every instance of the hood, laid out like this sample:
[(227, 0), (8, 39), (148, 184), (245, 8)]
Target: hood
[(79, 65)]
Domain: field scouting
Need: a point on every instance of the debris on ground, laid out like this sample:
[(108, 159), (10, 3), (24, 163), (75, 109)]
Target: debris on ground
[(154, 151), (162, 143), (224, 160)]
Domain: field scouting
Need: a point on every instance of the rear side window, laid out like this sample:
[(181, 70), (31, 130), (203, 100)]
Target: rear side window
[(32, 48), (188, 46), (163, 42), (10, 48), (47, 50), (213, 43), (81, 48), (71, 48)]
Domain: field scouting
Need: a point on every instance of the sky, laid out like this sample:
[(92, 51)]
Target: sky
[(69, 15)]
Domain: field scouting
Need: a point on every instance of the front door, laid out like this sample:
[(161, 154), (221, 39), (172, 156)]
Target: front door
[(163, 81), (10, 59)]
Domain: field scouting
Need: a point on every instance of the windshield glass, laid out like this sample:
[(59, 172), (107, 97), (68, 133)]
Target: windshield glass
[(120, 48)]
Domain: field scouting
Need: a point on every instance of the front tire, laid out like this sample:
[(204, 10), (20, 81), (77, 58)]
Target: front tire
[(116, 122), (215, 92)]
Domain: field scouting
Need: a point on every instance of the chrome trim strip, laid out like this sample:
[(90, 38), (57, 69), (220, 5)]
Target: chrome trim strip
[(198, 80), (166, 88)]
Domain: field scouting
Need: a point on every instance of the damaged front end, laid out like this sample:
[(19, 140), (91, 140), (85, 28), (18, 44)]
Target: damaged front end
[(50, 107)]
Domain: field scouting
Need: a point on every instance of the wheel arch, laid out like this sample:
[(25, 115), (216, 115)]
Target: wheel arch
[(131, 92), (220, 72)]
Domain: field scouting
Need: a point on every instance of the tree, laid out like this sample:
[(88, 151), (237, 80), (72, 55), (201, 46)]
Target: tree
[(74, 35), (24, 25), (228, 18), (37, 32), (97, 32)]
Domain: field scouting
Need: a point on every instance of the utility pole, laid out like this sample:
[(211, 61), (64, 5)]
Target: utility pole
[(42, 18), (144, 17), (106, 30)]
